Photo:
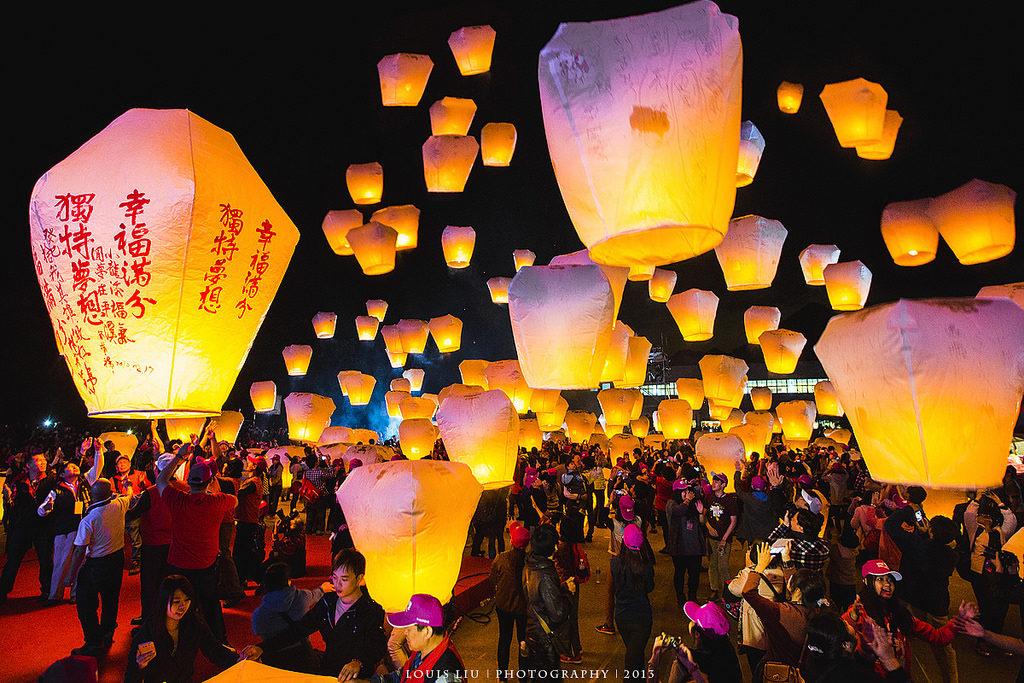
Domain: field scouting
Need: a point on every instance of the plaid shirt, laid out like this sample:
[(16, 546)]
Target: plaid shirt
[(318, 477), (806, 551)]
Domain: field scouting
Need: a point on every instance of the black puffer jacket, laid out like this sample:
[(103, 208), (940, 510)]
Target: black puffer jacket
[(546, 600)]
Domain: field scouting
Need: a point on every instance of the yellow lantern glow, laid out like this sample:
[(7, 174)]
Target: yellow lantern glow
[(403, 78), (781, 349), (435, 398), (365, 182), (856, 109), (640, 427), (617, 405), (393, 402), (760, 319), (751, 149), (411, 529), (843, 436), (761, 398), (366, 327), (719, 453), (414, 335), (392, 338), (458, 390), (544, 400), (556, 436), (308, 415), (797, 418), (415, 377), (675, 418), (296, 359), (579, 425), (482, 431), (377, 308), (332, 436), (551, 421), (523, 257), (826, 400), (397, 360), (976, 220), (666, 162), (909, 234), (227, 425), (718, 411), (724, 378), (324, 324), (182, 428), (472, 47), (620, 445), (1013, 291), (530, 435), (401, 384), (416, 407), (498, 286), (358, 387), (507, 376), (616, 275), (263, 396), (661, 284), (336, 226), (754, 437), (126, 444), (497, 143), (733, 419), (692, 391), (405, 220), (654, 440), (447, 161), (342, 377), (789, 96), (374, 247), (618, 352), (656, 421), (694, 312), (749, 254), (882, 149), (640, 273), (150, 193), (452, 116), (847, 284), (635, 371), (457, 244), (416, 436), (764, 419), (908, 372), (814, 259), (473, 371)]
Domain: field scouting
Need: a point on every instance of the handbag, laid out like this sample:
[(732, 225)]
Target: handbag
[(777, 672), (309, 492), (558, 640)]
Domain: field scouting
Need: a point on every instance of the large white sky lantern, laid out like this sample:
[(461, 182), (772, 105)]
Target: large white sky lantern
[(507, 375), (308, 415), (482, 431), (647, 171), (813, 260), (724, 378), (675, 418), (227, 425), (562, 318), (856, 109), (976, 220), (751, 148), (781, 349), (410, 520), (847, 284), (758, 319), (749, 254), (932, 388), (1013, 291), (617, 275), (158, 250)]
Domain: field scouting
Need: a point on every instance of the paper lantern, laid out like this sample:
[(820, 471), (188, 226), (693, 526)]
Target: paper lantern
[(882, 149), (600, 441), (447, 333), (473, 372), (393, 402), (640, 427), (764, 419), (334, 435), (416, 436), (523, 257), (847, 284), (797, 418), (856, 109), (719, 453), (733, 419), (227, 425), (1013, 291), (296, 359), (556, 436), (781, 349), (458, 390), (942, 501), (392, 337), (366, 327), (760, 319), (530, 435), (497, 143), (640, 273), (401, 384), (544, 400), (377, 308), (416, 407), (498, 287), (622, 445), (308, 415), (814, 259), (358, 387), (776, 424), (365, 182), (434, 398), (908, 232), (932, 388), (617, 405), (749, 254), (826, 400), (618, 353), (142, 335), (661, 284), (754, 437), (414, 335), (323, 325), (635, 371), (718, 411), (654, 440), (452, 116), (447, 161), (403, 78), (694, 312), (843, 436), (482, 431), (751, 149), (411, 529), (647, 172), (374, 247), (656, 421), (336, 226), (976, 220), (606, 428), (125, 443), (508, 376), (343, 377), (579, 425), (789, 96), (472, 47), (616, 275), (691, 391), (675, 418), (365, 436), (457, 244), (397, 359), (403, 219), (263, 396), (415, 377), (761, 398), (551, 421), (724, 378)]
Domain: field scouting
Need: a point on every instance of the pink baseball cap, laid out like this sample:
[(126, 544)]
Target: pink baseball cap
[(632, 537), (529, 476), (878, 568), (626, 508), (708, 616), (423, 610)]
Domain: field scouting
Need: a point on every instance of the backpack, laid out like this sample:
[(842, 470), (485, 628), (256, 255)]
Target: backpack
[(581, 563)]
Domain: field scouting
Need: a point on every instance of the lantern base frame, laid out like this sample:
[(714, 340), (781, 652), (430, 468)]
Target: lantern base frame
[(647, 246), (154, 413)]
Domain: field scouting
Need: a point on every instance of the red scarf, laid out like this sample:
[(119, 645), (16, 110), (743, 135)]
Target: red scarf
[(430, 660)]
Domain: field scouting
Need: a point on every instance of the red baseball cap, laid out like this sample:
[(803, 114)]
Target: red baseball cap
[(878, 568)]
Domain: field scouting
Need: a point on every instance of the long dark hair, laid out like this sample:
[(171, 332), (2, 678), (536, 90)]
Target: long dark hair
[(171, 584), (892, 610), (630, 569), (828, 647)]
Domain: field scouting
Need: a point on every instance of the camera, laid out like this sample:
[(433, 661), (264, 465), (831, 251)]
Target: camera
[(670, 641)]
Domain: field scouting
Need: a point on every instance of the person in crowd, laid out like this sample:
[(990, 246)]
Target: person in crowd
[(664, 477), (757, 520), (842, 569), (319, 475), (248, 550), (624, 515), (531, 501), (275, 484), (64, 506), (632, 579), (434, 658), (548, 604), (571, 563), (721, 513), (283, 604), (23, 494), (828, 655), (597, 512), (506, 576), (712, 649), (685, 539), (771, 586), (489, 523), (807, 549), (155, 527)]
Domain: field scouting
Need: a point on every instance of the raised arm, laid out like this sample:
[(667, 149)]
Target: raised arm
[(163, 480)]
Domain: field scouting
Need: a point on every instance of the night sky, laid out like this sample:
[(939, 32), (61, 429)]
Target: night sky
[(299, 92)]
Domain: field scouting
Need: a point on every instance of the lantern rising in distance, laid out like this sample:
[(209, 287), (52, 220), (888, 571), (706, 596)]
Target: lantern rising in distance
[(813, 260), (856, 109), (789, 96), (497, 143), (365, 182), (472, 47), (457, 244), (909, 233), (336, 225), (751, 149), (447, 161), (403, 78)]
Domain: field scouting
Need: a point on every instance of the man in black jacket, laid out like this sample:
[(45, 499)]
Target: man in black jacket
[(25, 528), (548, 605), (434, 658)]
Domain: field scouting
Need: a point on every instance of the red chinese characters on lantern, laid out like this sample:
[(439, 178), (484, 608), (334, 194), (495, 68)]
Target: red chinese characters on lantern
[(259, 263), (224, 247)]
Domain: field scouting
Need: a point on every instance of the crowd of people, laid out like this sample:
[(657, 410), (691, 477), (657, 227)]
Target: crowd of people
[(839, 572)]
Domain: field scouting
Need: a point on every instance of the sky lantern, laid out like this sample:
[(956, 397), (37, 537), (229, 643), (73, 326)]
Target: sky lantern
[(308, 415), (781, 349), (393, 402), (718, 411), (416, 407), (856, 109), (126, 443), (749, 254), (359, 388), (458, 390), (296, 359), (976, 220), (343, 377), (789, 96), (761, 398), (401, 384), (366, 327), (414, 335), (336, 226), (620, 445), (447, 161), (826, 400), (544, 400), (392, 337), (760, 319), (153, 191), (182, 428), (579, 425), (691, 390), (332, 436), (724, 378), (415, 377), (654, 440), (497, 143), (635, 371), (694, 312), (909, 233), (640, 427), (764, 419), (472, 47), (551, 421), (640, 273), (842, 436), (530, 435), (411, 529), (403, 78), (617, 405), (656, 420), (374, 247), (932, 388), (556, 436), (881, 150), (847, 284), (398, 359), (797, 418), (754, 437), (675, 418), (433, 397), (523, 257), (447, 333), (227, 425), (617, 275), (377, 308), (562, 324), (661, 284), (457, 244), (417, 436), (324, 324), (263, 396), (452, 116), (751, 148), (814, 259), (498, 287), (618, 352), (473, 372), (733, 419), (647, 172), (719, 453), (365, 182), (1013, 291), (508, 376), (482, 431), (405, 220)]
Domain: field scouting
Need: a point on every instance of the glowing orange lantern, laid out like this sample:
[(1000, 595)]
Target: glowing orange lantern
[(733, 419), (847, 285), (482, 431), (472, 47), (675, 418), (401, 384), (764, 419), (654, 440), (403, 78), (749, 254), (724, 378), (497, 143), (457, 244), (754, 437), (452, 116), (761, 398), (1013, 291), (751, 149), (882, 149), (661, 284), (622, 445), (415, 377), (523, 257), (332, 436), (976, 220), (579, 425), (718, 411), (551, 421), (781, 349), (640, 273), (789, 96), (226, 426), (393, 402), (397, 360), (719, 453), (826, 400), (618, 352), (392, 338), (640, 427), (308, 415), (909, 234), (458, 390), (544, 400), (342, 377), (473, 371), (405, 220), (842, 436), (447, 161), (414, 335), (365, 182), (358, 387), (617, 405), (616, 275), (797, 418), (507, 376), (691, 391), (814, 259), (856, 109), (184, 428), (366, 327), (498, 287), (760, 319), (296, 359), (374, 247), (416, 436), (694, 312), (324, 324), (635, 371), (530, 435), (416, 407), (263, 396), (336, 226), (377, 308)]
